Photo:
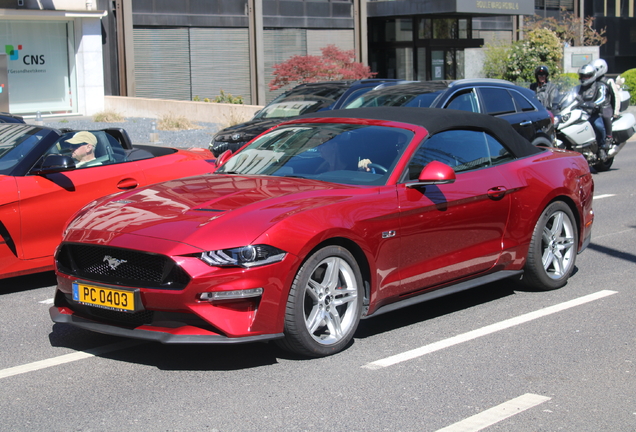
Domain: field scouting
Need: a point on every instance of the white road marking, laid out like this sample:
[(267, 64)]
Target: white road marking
[(47, 301), (497, 414), (596, 197), (474, 334), (631, 231), (66, 358)]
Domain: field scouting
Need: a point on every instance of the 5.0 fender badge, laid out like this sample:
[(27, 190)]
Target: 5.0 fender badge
[(113, 263)]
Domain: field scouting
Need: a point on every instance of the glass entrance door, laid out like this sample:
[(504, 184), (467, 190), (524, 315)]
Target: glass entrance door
[(437, 65)]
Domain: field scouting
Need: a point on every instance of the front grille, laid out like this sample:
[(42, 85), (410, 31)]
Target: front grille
[(117, 266)]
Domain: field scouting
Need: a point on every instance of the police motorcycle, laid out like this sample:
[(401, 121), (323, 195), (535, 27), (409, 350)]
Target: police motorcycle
[(575, 132)]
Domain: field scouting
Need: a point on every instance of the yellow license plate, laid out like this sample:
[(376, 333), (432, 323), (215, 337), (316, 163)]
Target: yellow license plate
[(106, 298)]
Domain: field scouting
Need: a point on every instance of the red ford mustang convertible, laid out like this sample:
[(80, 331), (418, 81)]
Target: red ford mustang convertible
[(323, 221), (47, 175)]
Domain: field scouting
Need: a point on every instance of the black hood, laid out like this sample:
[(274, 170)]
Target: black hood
[(235, 137)]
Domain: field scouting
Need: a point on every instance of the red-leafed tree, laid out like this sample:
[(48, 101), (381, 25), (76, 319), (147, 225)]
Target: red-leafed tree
[(334, 64)]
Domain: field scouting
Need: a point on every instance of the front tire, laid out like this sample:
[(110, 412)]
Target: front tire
[(324, 304), (553, 249)]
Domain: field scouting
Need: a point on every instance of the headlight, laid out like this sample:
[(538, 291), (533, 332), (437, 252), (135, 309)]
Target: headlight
[(246, 256)]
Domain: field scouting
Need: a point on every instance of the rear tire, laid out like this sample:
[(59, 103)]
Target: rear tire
[(553, 249), (542, 142), (604, 165), (324, 304)]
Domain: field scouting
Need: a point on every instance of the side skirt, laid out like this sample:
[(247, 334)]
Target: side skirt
[(452, 289)]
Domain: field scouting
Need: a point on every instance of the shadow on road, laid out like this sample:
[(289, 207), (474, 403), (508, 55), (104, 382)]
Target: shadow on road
[(246, 356), (29, 282), (614, 253), (435, 308)]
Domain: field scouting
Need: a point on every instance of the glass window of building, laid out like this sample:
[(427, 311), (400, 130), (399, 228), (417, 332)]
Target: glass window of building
[(40, 69)]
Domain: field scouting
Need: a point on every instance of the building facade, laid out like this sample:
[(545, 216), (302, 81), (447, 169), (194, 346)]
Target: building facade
[(53, 55), (616, 17), (425, 40), (196, 48), (64, 55)]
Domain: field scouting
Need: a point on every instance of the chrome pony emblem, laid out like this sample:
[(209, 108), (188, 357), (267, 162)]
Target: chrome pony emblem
[(113, 263)]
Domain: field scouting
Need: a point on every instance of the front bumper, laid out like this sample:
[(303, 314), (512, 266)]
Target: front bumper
[(165, 335)]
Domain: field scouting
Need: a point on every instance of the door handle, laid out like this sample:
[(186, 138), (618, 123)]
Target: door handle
[(526, 123), (127, 183), (497, 192)]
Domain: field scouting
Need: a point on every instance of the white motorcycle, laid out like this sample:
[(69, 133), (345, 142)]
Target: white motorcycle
[(575, 132)]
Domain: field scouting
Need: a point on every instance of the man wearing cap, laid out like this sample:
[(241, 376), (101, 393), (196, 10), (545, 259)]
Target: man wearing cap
[(83, 145)]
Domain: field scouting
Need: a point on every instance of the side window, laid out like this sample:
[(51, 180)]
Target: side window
[(497, 152), (463, 150), (523, 104), (497, 101), (355, 95), (465, 101)]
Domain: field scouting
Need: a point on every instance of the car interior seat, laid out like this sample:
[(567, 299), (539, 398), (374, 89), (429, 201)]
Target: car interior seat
[(108, 150)]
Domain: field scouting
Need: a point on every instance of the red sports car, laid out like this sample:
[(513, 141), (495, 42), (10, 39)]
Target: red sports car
[(47, 175), (323, 221)]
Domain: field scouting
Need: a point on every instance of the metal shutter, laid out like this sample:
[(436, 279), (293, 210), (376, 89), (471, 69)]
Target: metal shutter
[(279, 46), (220, 61), (162, 63)]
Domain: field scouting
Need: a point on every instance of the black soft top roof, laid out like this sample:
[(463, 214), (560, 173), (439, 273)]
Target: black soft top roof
[(437, 120)]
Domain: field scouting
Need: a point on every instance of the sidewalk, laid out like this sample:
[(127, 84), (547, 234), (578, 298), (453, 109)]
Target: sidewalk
[(139, 130)]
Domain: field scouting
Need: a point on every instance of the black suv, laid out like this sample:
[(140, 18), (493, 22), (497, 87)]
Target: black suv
[(517, 105), (302, 99)]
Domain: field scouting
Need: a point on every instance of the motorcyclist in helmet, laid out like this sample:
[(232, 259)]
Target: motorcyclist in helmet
[(546, 91), (594, 98), (607, 111)]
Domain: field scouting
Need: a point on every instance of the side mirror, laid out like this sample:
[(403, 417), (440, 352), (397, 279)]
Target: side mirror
[(223, 157), (55, 163), (434, 173)]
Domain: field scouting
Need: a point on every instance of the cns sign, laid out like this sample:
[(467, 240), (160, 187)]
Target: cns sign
[(28, 59)]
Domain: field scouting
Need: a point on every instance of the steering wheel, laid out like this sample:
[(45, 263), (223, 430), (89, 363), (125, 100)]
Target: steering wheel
[(378, 167)]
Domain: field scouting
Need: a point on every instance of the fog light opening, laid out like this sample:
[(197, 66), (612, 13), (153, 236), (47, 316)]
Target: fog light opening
[(231, 295)]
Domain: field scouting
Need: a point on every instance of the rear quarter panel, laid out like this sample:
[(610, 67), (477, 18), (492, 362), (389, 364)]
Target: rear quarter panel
[(183, 163), (535, 182)]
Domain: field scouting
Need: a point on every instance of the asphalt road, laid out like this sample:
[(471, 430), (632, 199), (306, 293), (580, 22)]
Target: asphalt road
[(495, 357)]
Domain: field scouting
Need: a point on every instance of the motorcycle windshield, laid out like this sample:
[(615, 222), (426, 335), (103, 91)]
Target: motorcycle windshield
[(565, 99)]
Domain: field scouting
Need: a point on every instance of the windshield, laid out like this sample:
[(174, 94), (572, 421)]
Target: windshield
[(16, 142), (339, 153), (564, 99), (420, 100), (301, 101)]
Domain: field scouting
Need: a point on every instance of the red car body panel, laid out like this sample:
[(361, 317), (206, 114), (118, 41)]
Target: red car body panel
[(407, 240), (468, 221), (36, 208)]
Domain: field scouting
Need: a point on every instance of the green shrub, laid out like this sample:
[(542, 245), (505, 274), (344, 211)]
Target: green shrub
[(171, 122), (108, 117), (630, 84), (228, 98), (496, 60), (540, 47), (566, 81), (516, 62)]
